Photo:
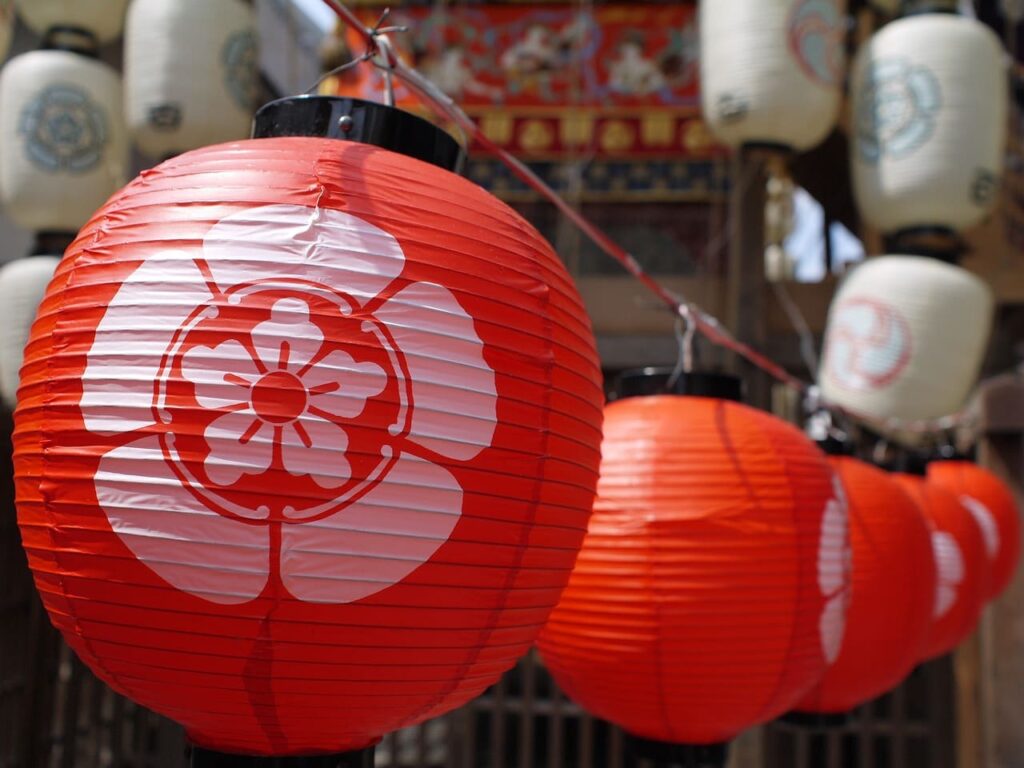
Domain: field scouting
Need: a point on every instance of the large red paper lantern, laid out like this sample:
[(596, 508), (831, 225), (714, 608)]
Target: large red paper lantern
[(961, 570), (711, 589), (307, 439), (892, 591), (994, 509)]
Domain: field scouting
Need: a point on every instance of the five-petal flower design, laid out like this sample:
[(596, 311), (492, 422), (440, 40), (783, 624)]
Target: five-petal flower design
[(281, 374)]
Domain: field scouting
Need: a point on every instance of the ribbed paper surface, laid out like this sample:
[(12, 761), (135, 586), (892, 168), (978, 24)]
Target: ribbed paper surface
[(713, 579), (307, 442)]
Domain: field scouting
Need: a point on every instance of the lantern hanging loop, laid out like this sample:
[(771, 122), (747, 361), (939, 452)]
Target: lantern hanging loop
[(351, 64)]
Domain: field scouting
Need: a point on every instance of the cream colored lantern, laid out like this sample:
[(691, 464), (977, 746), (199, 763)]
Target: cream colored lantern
[(178, 99), (772, 70), (103, 19), (63, 149), (22, 285), (929, 117), (905, 338)]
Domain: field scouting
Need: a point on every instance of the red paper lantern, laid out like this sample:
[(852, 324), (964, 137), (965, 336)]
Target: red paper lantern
[(711, 589), (307, 442), (892, 591), (994, 509), (961, 571)]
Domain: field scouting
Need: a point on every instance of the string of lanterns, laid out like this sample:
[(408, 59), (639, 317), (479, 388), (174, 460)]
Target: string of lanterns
[(303, 457)]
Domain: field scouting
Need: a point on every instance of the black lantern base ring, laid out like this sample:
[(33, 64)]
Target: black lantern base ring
[(204, 758), (666, 755)]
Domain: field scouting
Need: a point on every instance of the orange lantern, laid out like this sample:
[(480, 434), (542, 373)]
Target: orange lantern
[(961, 569), (307, 436), (892, 591), (711, 590), (994, 509)]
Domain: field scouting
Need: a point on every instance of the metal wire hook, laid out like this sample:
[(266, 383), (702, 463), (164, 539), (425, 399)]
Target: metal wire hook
[(685, 330)]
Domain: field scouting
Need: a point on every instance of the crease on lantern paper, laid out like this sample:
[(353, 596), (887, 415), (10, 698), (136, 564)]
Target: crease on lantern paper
[(376, 540)]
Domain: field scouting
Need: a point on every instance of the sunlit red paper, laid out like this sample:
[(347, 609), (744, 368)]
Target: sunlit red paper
[(307, 442), (711, 590)]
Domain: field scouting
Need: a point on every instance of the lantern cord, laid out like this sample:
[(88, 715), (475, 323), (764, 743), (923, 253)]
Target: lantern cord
[(385, 57), (799, 323)]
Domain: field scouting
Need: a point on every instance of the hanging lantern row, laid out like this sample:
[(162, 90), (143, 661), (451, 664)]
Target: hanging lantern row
[(719, 533), (301, 457)]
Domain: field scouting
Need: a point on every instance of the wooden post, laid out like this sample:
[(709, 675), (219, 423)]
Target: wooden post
[(745, 288), (1001, 698)]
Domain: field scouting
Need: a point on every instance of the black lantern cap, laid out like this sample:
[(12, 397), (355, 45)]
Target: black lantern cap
[(367, 122), (72, 39), (908, 462), (817, 720), (939, 243), (642, 382), (203, 758), (833, 446), (51, 243), (679, 755)]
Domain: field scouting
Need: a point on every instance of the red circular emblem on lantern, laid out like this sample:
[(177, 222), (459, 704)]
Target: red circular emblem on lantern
[(717, 553), (869, 344), (301, 460)]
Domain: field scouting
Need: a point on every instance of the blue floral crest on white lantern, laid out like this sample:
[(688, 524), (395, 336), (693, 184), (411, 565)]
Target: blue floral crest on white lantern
[(64, 130), (898, 109)]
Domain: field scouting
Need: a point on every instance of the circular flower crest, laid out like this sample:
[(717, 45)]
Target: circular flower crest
[(834, 572), (299, 386), (868, 345)]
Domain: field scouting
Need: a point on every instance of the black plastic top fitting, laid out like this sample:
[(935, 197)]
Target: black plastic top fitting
[(832, 446), (939, 243), (367, 122), (641, 382), (71, 38)]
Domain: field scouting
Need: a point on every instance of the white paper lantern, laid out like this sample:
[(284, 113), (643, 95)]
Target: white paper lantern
[(905, 338), (772, 70), (930, 111), (177, 99), (22, 285), (63, 149), (104, 19)]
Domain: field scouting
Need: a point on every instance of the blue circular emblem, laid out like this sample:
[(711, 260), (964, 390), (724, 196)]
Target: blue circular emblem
[(898, 108), (64, 130), (240, 58)]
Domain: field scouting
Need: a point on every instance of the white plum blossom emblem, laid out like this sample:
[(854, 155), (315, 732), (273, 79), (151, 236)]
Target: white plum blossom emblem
[(950, 567), (285, 402), (834, 572)]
